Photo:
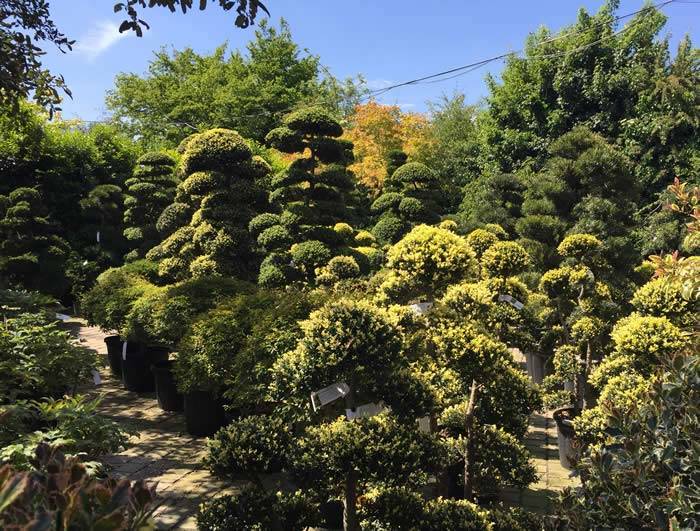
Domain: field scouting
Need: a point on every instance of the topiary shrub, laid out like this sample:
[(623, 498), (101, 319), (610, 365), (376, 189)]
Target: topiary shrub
[(389, 229), (221, 198), (412, 193), (480, 240), (309, 255), (250, 446), (365, 238), (216, 149), (338, 268), (425, 262), (449, 224), (254, 508), (345, 231), (662, 297), (275, 237), (505, 259), (32, 255), (149, 192)]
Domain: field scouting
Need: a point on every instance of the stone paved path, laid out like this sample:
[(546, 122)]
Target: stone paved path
[(164, 453), (541, 440), (161, 453)]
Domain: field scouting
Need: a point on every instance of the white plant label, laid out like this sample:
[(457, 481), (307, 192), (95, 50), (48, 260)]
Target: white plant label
[(96, 377), (62, 317), (515, 303), (365, 410), (329, 394), (124, 351), (98, 236)]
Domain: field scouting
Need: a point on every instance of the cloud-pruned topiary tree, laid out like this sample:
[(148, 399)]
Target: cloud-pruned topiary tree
[(148, 192), (312, 195), (32, 255), (208, 223), (411, 195), (587, 186)]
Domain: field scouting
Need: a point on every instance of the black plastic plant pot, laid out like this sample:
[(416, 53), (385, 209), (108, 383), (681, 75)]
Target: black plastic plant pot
[(166, 390), (114, 354), (332, 514), (204, 414), (565, 435), (136, 367)]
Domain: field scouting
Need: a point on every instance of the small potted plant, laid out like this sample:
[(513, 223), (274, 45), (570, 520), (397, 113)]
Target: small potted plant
[(169, 398), (201, 369)]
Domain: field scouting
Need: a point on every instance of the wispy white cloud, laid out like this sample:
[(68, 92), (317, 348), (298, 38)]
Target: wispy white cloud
[(98, 39), (377, 84), (406, 105)]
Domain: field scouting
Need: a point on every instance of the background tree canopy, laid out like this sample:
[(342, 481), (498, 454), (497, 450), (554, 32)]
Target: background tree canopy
[(184, 92)]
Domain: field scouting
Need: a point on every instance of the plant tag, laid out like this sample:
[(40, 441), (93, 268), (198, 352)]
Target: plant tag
[(85, 262), (96, 377), (365, 410), (421, 308), (124, 351), (329, 394), (515, 303), (98, 236), (424, 424), (62, 317)]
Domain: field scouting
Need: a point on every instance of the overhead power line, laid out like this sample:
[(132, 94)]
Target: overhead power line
[(437, 77)]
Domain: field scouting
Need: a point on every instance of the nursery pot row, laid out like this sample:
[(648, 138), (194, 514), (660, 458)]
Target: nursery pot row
[(148, 369), (565, 435)]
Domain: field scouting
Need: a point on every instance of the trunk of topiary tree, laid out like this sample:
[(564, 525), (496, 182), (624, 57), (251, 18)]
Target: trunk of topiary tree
[(469, 430)]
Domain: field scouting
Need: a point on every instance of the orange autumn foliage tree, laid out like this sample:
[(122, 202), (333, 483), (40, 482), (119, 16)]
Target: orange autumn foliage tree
[(375, 130)]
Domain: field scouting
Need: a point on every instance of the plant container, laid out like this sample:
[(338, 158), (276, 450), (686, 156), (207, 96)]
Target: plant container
[(114, 354), (332, 514), (535, 366), (565, 435), (136, 366), (204, 414), (166, 390)]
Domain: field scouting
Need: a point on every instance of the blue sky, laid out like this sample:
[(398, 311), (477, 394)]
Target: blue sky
[(387, 42)]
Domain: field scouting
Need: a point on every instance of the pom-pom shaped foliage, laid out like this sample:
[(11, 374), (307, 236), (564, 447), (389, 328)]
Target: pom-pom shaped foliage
[(411, 197), (344, 341), (480, 240), (220, 198), (662, 297), (426, 261), (580, 247), (250, 446), (310, 254), (413, 173), (505, 259), (404, 508), (32, 255), (365, 238), (313, 121), (263, 221), (275, 237), (338, 268), (149, 192), (649, 339), (345, 231), (472, 301), (255, 508), (448, 224), (565, 281), (390, 229), (215, 150)]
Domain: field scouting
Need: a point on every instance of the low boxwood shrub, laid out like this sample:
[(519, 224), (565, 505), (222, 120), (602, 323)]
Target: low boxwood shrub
[(250, 446), (255, 508)]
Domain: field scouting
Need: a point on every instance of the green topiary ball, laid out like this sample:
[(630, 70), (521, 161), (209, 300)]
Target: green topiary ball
[(389, 229), (480, 240), (505, 259), (275, 237), (215, 150), (313, 121), (310, 254), (413, 173)]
